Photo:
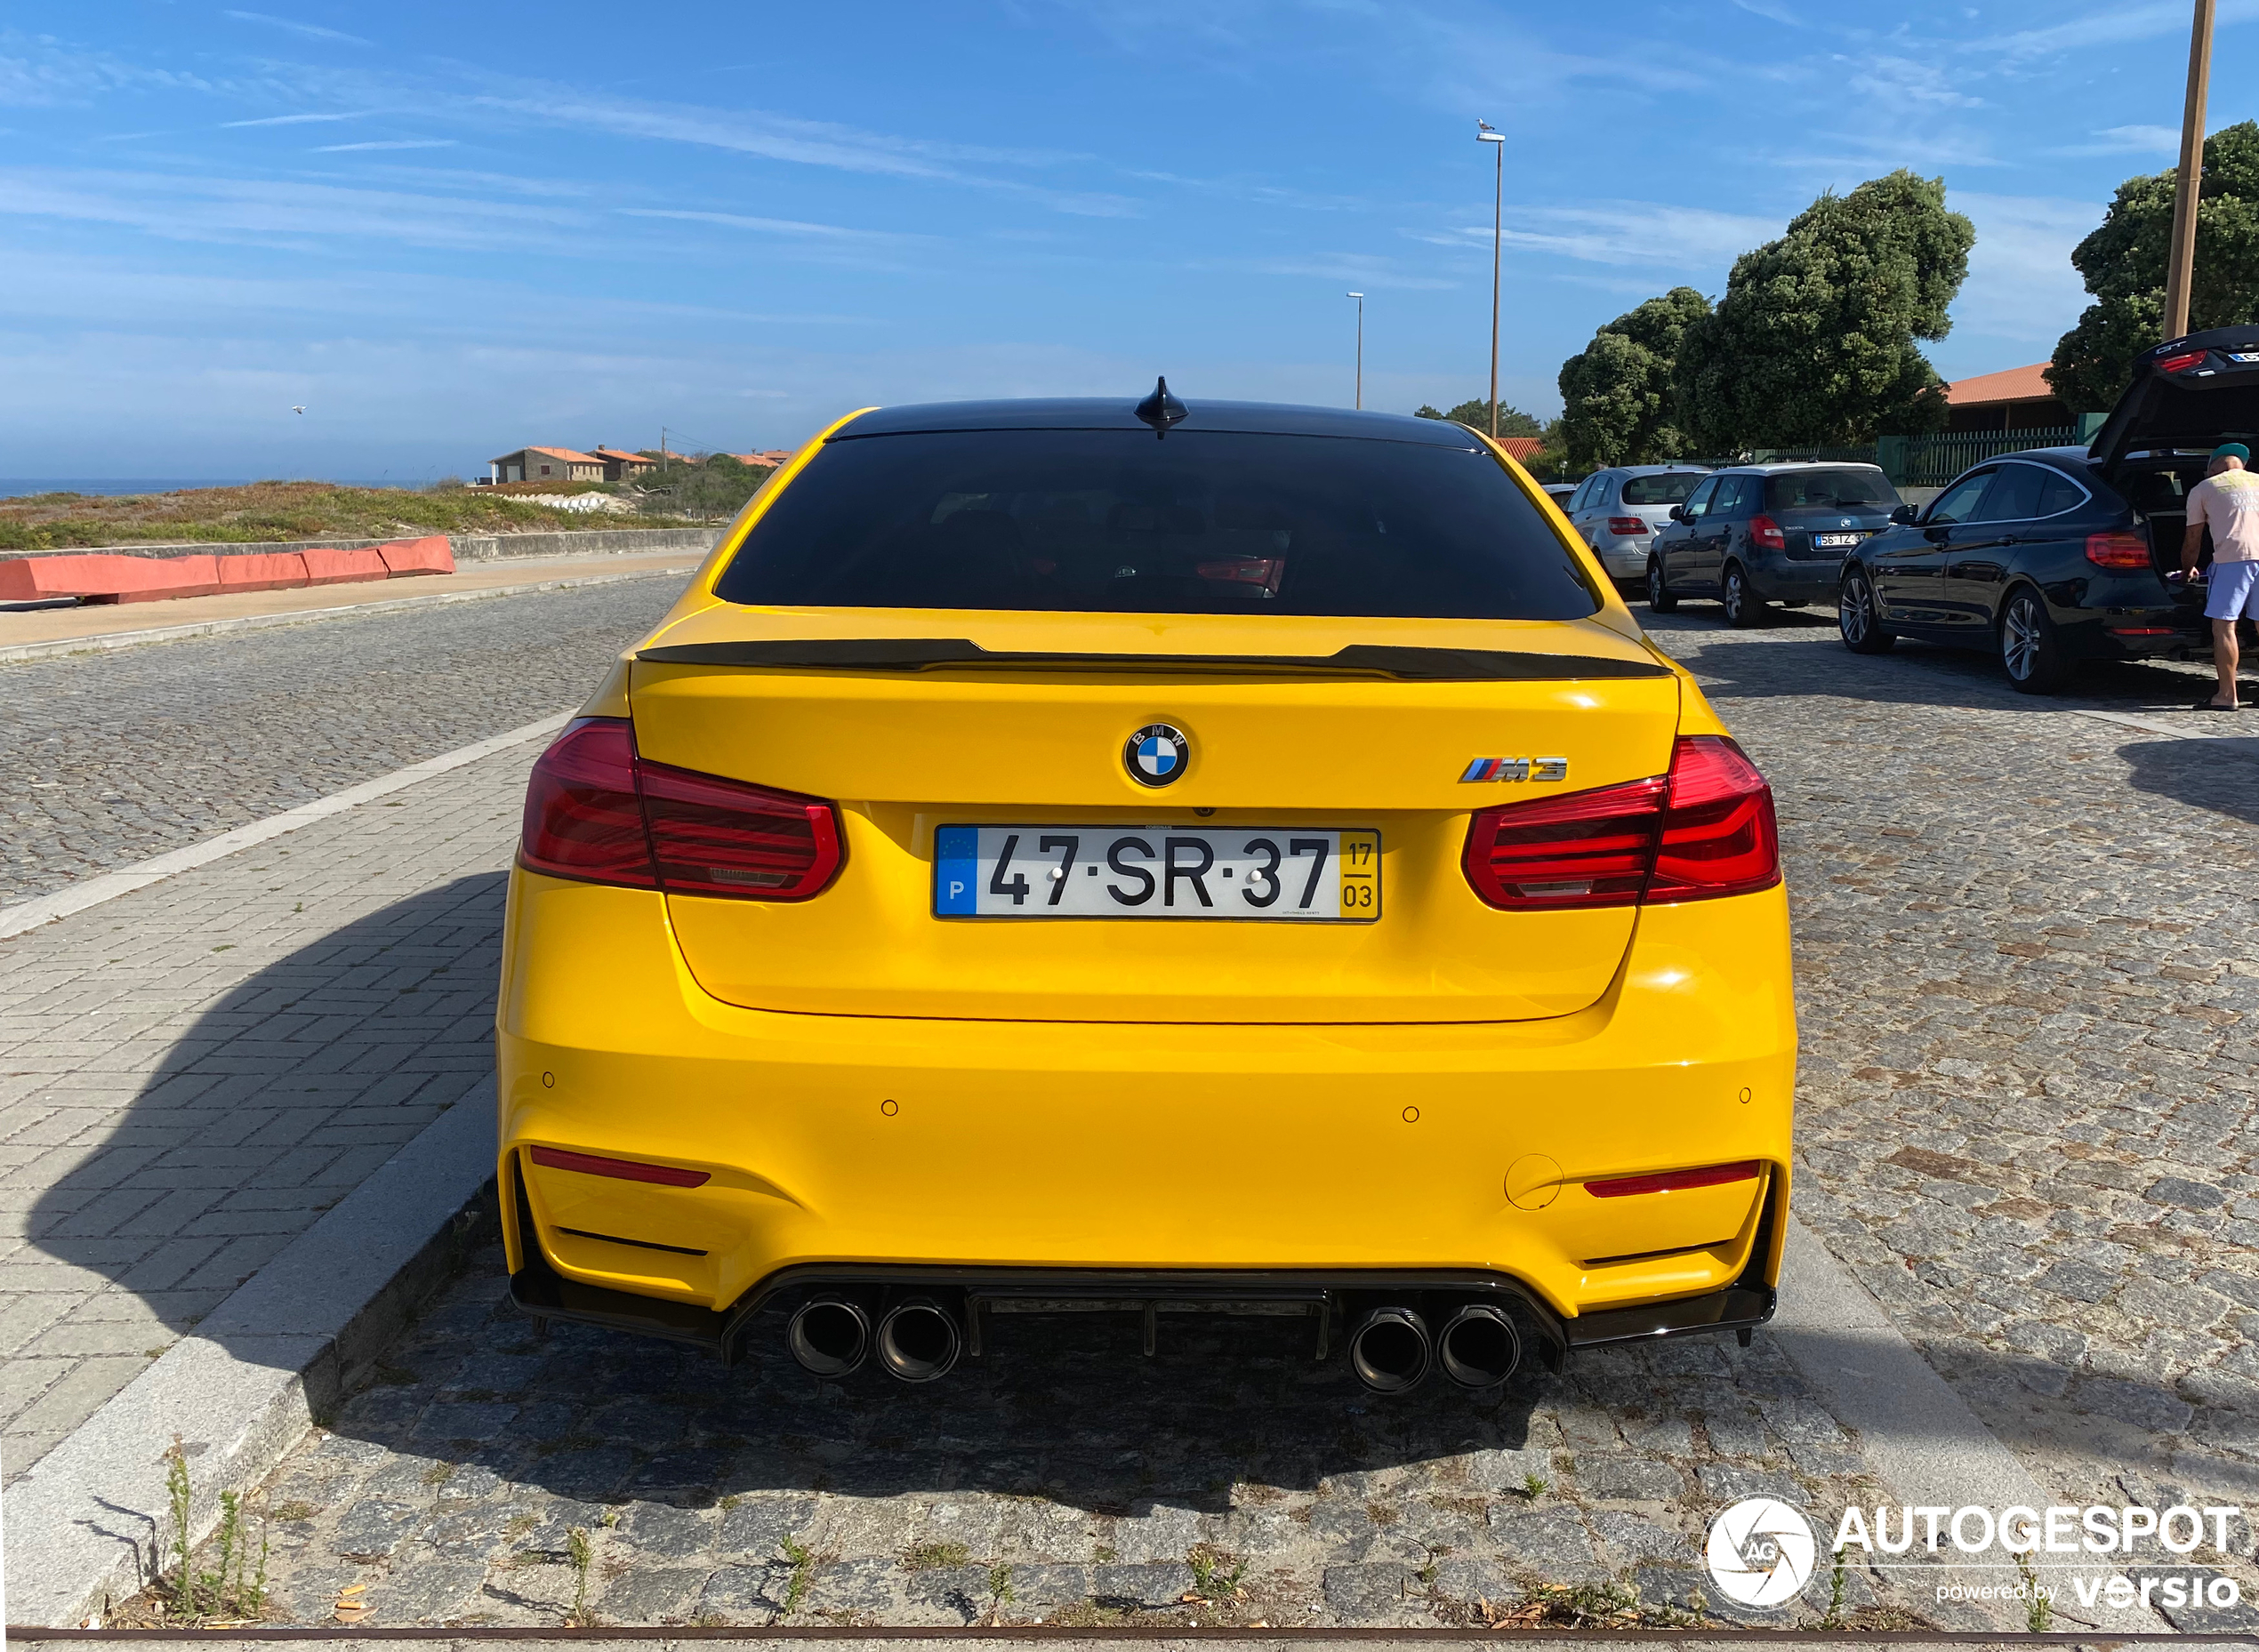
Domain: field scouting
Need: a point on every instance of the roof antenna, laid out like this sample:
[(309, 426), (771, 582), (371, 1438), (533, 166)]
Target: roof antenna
[(1160, 409)]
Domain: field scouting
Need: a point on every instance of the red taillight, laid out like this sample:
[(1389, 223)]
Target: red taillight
[(2180, 363), (1703, 830), (724, 838), (1629, 524), (582, 818), (1766, 534), (2117, 550), (1674, 1181), (1719, 836), (622, 1169), (597, 812)]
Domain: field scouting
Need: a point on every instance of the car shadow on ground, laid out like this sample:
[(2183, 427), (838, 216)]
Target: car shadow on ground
[(280, 1098), (2218, 773)]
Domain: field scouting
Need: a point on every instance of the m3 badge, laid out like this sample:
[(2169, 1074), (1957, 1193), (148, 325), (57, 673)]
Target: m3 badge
[(1516, 768)]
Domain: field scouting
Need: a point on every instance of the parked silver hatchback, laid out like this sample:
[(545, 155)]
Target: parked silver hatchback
[(1619, 510)]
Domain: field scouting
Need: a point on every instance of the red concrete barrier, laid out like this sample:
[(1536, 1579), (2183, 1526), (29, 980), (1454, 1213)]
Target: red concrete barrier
[(341, 567), (108, 579), (266, 570), (418, 555)]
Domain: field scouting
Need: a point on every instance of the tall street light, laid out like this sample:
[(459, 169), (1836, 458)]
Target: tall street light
[(2179, 274), (1361, 348), (1484, 132)]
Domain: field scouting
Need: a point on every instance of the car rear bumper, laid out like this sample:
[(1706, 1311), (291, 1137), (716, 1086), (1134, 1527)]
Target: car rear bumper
[(1338, 1154), (1624, 556), (1779, 579)]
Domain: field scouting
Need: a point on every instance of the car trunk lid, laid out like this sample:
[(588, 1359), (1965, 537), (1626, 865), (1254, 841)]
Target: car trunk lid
[(912, 721)]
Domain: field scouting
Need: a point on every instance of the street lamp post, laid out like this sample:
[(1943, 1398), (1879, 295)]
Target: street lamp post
[(2179, 274), (1484, 132), (1361, 348)]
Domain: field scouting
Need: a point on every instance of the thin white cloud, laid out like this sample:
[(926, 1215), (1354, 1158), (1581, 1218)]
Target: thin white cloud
[(1772, 11), (772, 226), (385, 143), (309, 31), (296, 120), (2021, 287), (2117, 27), (2125, 141), (1623, 232)]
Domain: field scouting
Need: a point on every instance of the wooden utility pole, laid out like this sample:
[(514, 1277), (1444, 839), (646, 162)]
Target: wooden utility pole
[(2192, 178)]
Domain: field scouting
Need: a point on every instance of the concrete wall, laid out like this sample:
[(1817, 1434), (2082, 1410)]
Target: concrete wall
[(467, 546)]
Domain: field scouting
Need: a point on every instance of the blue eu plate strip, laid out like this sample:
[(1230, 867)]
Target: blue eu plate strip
[(956, 854)]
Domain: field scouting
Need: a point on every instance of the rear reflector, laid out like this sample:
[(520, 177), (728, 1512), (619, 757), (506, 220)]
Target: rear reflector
[(2117, 550), (1705, 830), (624, 1169), (2180, 363), (597, 812), (1674, 1181), (2140, 630)]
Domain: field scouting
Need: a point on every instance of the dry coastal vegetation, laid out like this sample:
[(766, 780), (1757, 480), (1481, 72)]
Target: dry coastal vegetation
[(273, 511)]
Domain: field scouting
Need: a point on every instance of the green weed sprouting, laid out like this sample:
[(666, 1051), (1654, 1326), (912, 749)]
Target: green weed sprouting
[(803, 1571), (179, 1495), (2039, 1609), (1835, 1615), (582, 1553), (1533, 1487), (1000, 1590)]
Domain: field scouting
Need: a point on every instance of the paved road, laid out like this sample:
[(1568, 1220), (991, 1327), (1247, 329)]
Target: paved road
[(111, 758), (2028, 1000)]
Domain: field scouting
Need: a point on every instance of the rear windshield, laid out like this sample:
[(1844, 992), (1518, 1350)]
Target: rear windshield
[(1669, 489), (1827, 490), (1115, 522)]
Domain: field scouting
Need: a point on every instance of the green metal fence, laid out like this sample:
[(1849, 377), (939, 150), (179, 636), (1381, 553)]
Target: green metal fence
[(1933, 460)]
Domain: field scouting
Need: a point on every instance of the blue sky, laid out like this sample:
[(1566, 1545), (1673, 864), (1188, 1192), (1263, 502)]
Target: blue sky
[(448, 230)]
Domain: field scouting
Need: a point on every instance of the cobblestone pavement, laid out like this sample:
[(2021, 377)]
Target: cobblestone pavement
[(114, 757), (191, 1073), (2029, 975), (2026, 994)]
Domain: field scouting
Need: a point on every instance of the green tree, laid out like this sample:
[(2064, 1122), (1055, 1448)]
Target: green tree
[(1476, 413), (1617, 406), (2124, 261), (716, 485), (1815, 342)]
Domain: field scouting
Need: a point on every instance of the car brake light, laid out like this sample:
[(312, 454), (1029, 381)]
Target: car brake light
[(597, 812), (1705, 830), (582, 817), (624, 1169), (1629, 524), (1766, 534), (1674, 1181), (2117, 550), (2180, 363)]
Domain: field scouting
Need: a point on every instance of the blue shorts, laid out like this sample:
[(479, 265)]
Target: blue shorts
[(2235, 592)]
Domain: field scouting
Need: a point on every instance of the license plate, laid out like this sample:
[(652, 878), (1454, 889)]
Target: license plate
[(1836, 542), (1273, 872), (2243, 355)]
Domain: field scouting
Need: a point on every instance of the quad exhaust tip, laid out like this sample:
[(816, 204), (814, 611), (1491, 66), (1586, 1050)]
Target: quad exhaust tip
[(1390, 1350), (919, 1340), (1479, 1346), (829, 1335)]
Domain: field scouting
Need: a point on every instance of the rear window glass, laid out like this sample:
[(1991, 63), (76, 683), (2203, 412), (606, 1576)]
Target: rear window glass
[(1670, 489), (1827, 490), (1115, 522)]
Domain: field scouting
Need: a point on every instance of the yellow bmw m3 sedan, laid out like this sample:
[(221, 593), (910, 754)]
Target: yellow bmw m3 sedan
[(1131, 853)]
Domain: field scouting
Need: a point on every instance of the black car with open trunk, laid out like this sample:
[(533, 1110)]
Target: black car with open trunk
[(2061, 555)]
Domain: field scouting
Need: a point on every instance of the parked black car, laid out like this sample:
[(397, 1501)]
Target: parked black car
[(1757, 534), (2060, 555)]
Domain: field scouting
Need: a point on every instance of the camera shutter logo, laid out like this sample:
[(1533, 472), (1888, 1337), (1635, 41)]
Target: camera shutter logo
[(1761, 1552)]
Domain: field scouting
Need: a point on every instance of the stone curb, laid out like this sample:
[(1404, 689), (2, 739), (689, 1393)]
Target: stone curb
[(89, 1522), (13, 652), (46, 908)]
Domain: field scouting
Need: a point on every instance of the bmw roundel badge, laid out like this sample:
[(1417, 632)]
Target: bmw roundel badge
[(1155, 754)]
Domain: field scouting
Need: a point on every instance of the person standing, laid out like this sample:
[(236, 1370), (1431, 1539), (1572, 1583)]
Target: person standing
[(2226, 502)]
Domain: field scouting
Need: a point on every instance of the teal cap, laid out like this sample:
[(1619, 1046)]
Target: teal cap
[(2232, 450)]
